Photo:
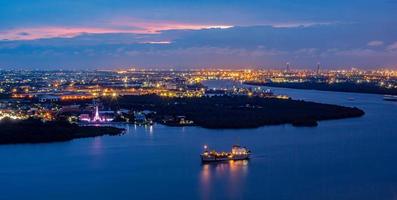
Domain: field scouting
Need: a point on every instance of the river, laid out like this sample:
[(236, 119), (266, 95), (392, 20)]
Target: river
[(340, 159)]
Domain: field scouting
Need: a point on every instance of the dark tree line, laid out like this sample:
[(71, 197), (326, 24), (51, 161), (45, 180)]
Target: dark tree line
[(36, 131), (237, 111)]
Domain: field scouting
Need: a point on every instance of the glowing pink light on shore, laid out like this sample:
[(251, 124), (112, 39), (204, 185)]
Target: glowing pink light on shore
[(96, 119)]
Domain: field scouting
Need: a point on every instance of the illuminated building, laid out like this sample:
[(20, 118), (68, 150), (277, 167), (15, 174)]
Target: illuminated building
[(97, 118)]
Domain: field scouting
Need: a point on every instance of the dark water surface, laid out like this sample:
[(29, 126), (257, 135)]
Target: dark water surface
[(340, 159)]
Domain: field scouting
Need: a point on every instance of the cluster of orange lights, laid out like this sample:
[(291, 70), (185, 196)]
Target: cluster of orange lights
[(21, 96), (46, 115), (76, 97)]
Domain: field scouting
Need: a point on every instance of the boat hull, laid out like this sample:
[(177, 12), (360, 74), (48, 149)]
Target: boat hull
[(206, 159)]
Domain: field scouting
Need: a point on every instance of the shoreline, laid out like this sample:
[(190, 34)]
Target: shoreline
[(350, 88)]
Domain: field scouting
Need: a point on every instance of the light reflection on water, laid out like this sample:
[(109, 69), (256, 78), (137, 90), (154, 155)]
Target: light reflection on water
[(96, 146), (230, 174), (151, 129)]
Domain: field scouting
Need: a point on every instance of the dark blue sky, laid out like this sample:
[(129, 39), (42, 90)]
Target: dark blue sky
[(47, 34)]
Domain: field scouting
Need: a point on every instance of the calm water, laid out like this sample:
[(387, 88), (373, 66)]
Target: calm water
[(340, 159)]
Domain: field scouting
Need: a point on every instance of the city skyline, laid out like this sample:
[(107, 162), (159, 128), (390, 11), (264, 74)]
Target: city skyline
[(194, 35), (198, 99)]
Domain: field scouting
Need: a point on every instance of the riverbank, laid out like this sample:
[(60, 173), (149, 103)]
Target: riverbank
[(235, 112), (368, 88), (35, 131), (347, 149)]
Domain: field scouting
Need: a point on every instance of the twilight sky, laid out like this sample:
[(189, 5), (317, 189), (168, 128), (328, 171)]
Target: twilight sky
[(106, 34)]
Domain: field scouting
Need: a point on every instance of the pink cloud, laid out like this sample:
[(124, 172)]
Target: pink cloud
[(116, 26), (52, 32), (156, 42), (156, 26), (299, 24), (392, 47), (375, 43)]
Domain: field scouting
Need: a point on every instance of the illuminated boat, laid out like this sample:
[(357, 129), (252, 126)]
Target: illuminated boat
[(390, 97), (237, 153)]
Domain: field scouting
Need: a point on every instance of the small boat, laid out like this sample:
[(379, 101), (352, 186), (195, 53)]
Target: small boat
[(237, 153), (390, 97)]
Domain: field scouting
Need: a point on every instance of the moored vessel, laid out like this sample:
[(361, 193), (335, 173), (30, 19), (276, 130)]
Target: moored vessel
[(237, 153)]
